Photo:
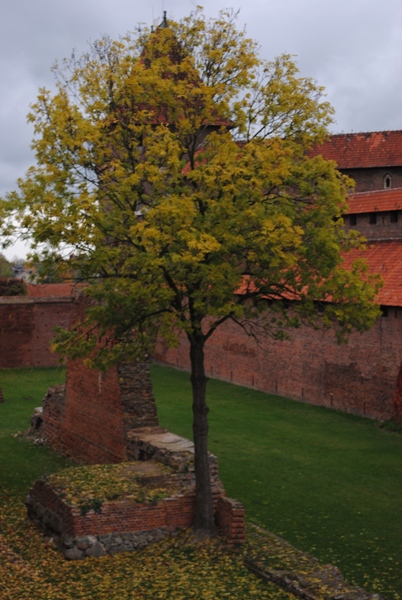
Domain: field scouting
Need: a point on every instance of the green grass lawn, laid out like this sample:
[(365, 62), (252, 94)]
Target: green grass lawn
[(327, 482), (31, 568), (22, 463)]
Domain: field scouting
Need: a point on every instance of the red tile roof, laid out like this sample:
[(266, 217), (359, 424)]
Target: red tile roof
[(46, 290), (384, 258), (363, 150), (375, 201)]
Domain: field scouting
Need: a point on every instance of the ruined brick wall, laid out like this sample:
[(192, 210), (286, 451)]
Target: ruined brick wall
[(53, 415), (101, 407), (118, 516), (125, 517), (359, 377), (137, 396), (93, 428), (27, 329), (230, 520)]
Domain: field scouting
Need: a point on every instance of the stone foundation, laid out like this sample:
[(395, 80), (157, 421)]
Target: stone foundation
[(155, 443), (114, 527), (99, 545), (125, 525)]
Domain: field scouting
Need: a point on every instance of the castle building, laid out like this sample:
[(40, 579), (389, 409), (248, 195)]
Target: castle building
[(364, 376)]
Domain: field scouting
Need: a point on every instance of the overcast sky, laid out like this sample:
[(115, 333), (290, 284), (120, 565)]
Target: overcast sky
[(351, 47)]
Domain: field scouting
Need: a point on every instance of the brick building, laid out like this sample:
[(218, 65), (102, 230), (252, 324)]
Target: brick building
[(373, 160), (364, 376)]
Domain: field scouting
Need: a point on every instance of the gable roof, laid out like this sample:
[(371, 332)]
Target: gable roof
[(384, 258), (375, 201), (363, 150)]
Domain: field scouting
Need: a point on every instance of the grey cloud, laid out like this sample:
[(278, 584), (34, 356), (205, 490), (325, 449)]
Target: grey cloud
[(352, 47)]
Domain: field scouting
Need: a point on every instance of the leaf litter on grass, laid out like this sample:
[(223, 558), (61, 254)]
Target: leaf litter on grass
[(168, 569)]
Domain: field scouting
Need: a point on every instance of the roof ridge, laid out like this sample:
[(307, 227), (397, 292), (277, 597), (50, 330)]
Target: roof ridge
[(381, 191), (344, 134), (376, 242)]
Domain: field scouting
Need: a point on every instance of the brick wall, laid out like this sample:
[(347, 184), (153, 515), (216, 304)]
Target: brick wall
[(230, 520), (53, 416), (98, 413), (99, 408), (359, 377), (137, 396), (382, 229), (91, 427), (92, 423), (124, 516), (27, 329), (94, 416), (373, 179)]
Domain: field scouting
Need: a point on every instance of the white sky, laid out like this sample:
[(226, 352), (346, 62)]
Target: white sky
[(351, 47)]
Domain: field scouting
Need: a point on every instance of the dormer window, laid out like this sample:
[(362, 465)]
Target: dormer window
[(387, 181)]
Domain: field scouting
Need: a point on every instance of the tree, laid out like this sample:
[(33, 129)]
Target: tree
[(5, 267), (173, 173)]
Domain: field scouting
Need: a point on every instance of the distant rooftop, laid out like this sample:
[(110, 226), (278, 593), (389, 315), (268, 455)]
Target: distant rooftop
[(383, 257), (375, 201), (363, 150), (46, 290)]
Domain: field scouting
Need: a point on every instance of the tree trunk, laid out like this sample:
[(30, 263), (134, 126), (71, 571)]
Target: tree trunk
[(204, 525)]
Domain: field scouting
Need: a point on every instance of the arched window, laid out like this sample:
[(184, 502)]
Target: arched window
[(387, 181)]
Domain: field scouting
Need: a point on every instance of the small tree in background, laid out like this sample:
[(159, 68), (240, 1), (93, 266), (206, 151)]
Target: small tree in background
[(173, 174), (5, 267)]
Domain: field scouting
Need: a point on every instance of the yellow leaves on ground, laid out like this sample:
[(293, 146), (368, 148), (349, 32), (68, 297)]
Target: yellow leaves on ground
[(90, 486), (30, 568)]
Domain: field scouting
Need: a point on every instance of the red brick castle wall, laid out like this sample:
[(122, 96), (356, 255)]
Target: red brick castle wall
[(359, 377), (27, 329)]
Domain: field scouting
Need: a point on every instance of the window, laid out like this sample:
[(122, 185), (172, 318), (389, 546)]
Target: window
[(373, 218), (387, 181), (394, 216), (384, 311), (353, 220)]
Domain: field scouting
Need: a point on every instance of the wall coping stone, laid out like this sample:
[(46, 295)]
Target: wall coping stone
[(163, 439), (4, 300)]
